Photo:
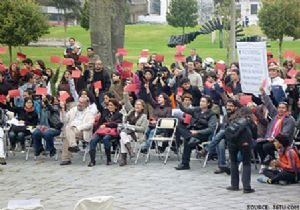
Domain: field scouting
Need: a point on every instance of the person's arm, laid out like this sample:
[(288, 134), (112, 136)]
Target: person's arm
[(186, 110), (288, 127), (269, 105), (88, 122), (73, 90), (107, 82), (127, 103), (141, 128), (212, 123), (149, 95), (115, 122)]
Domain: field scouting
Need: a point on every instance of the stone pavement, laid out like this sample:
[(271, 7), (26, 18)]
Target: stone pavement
[(140, 187)]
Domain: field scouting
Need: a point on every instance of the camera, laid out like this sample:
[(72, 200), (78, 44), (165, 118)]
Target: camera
[(159, 74)]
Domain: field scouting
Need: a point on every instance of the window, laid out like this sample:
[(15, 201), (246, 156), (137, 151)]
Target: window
[(254, 9), (155, 7)]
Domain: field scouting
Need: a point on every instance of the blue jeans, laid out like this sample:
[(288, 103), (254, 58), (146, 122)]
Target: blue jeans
[(48, 135), (218, 144), (149, 134), (97, 138), (15, 137)]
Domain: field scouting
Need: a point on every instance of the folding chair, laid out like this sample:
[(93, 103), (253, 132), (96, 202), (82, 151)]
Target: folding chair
[(169, 124)]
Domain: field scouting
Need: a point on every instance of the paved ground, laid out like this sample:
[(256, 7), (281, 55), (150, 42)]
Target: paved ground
[(141, 187)]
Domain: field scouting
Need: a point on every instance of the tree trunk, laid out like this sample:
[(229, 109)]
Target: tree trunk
[(100, 29), (118, 18), (232, 31), (221, 38), (10, 53), (280, 50)]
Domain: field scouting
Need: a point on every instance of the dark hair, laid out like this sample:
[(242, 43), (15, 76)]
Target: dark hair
[(209, 100), (28, 61), (148, 70), (187, 95), (90, 48), (284, 103), (115, 102), (114, 73), (167, 99), (28, 77), (27, 99), (212, 74), (236, 71), (90, 95), (42, 64), (234, 102), (72, 38), (109, 94), (185, 80), (63, 79), (236, 64), (283, 139)]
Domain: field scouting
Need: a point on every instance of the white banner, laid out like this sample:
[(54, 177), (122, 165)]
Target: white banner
[(253, 65)]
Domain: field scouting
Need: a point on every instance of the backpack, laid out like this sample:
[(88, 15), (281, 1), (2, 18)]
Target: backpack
[(235, 129), (295, 168)]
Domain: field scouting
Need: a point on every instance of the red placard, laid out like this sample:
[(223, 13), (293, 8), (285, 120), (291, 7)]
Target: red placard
[(180, 91), (292, 73), (67, 61), (220, 66), (83, 59), (227, 89), (290, 81), (144, 53), (289, 54), (64, 95), (180, 48), (2, 50), (220, 74), (127, 64), (3, 99), (2, 67), (179, 58), (187, 118), (41, 91), (76, 74), (55, 59), (297, 59), (38, 72), (23, 72), (131, 88), (244, 100), (160, 58), (122, 51), (98, 85), (21, 56), (14, 93), (126, 74)]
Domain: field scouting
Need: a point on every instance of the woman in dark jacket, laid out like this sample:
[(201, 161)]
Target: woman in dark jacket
[(239, 135), (161, 109), (26, 117), (110, 118), (49, 126)]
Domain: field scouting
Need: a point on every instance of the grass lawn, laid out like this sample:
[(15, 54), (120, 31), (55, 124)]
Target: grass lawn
[(146, 36)]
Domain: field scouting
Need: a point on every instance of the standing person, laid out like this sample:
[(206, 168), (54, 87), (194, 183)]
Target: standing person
[(239, 135), (194, 77), (100, 73), (193, 56)]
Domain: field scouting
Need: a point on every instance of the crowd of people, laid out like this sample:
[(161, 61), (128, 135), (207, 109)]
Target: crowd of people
[(124, 106)]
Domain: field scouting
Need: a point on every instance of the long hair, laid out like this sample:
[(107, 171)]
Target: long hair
[(167, 99)]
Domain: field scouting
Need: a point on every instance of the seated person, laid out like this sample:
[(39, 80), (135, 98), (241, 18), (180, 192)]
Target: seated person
[(203, 124), (49, 126), (78, 124), (26, 117), (218, 141), (282, 123), (287, 167), (137, 120), (110, 118), (186, 102), (161, 109)]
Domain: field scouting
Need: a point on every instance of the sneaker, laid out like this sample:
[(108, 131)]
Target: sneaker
[(182, 167), (65, 162), (262, 179), (231, 188), (144, 151), (23, 148), (261, 169), (2, 161), (52, 152)]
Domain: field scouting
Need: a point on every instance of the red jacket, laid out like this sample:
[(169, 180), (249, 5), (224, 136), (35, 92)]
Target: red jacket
[(289, 160)]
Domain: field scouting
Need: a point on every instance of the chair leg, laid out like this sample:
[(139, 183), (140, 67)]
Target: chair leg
[(117, 154), (206, 159), (86, 151), (168, 152), (148, 153)]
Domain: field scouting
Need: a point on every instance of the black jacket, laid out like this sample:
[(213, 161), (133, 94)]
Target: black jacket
[(112, 122)]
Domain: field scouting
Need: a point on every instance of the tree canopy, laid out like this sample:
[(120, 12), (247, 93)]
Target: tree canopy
[(183, 13), (21, 22)]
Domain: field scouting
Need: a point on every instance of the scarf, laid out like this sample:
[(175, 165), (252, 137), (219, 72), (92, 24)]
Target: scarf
[(276, 128), (132, 118), (29, 110)]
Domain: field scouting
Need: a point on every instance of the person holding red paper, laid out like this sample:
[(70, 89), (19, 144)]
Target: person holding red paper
[(106, 126), (100, 73), (4, 85), (117, 86), (92, 56), (79, 123), (27, 89), (14, 75), (67, 84), (194, 91), (203, 124), (289, 69), (235, 84)]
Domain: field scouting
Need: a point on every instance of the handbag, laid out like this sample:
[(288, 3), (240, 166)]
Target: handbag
[(107, 131)]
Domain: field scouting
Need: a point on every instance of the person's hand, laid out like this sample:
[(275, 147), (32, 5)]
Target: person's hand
[(262, 87), (74, 128), (102, 126), (8, 98), (21, 122), (178, 98), (273, 163), (125, 89), (97, 91), (194, 133), (62, 105), (147, 87)]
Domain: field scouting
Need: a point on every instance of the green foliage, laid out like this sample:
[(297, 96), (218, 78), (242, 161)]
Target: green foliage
[(21, 21), (279, 17), (183, 13), (71, 8), (84, 16)]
